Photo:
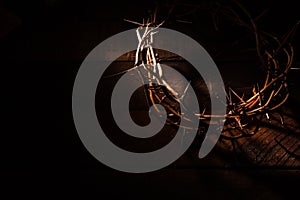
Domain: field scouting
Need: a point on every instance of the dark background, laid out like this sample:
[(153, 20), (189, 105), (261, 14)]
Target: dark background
[(43, 43)]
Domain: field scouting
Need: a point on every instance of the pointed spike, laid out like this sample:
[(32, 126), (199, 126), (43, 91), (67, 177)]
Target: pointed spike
[(268, 117), (204, 111), (133, 22), (259, 95), (239, 122), (281, 118), (242, 100), (185, 90)]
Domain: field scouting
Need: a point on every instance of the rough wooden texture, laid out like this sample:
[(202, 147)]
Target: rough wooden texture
[(274, 145)]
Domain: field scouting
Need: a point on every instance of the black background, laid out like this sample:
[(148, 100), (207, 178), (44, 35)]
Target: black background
[(42, 45)]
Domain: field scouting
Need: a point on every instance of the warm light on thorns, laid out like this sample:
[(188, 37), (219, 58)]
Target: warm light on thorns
[(267, 97)]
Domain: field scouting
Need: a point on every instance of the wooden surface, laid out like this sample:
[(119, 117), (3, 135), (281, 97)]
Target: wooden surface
[(275, 145)]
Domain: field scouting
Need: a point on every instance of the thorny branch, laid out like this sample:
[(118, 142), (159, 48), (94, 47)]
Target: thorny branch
[(244, 114)]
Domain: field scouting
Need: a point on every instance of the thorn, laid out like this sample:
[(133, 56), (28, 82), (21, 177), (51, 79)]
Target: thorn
[(183, 21), (239, 122), (185, 90), (259, 95), (133, 22), (281, 118), (204, 111), (241, 99)]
